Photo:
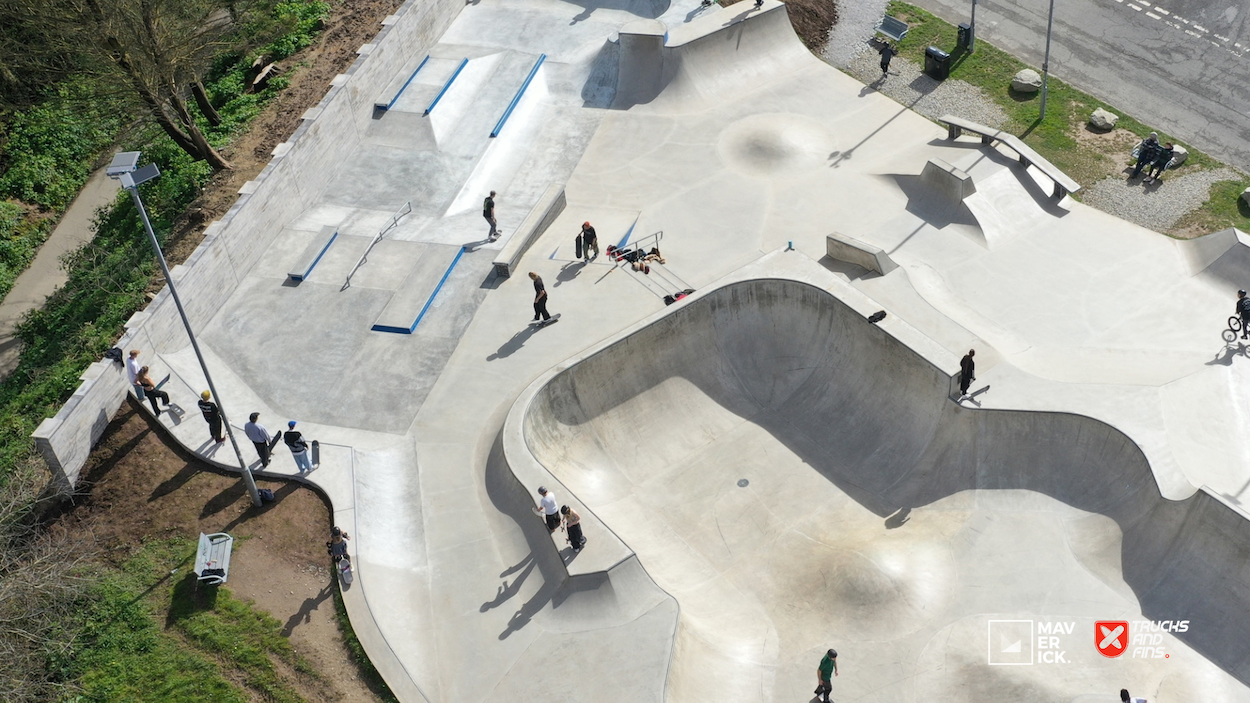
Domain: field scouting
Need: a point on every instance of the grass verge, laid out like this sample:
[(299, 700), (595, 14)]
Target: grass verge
[(364, 666), (1062, 136)]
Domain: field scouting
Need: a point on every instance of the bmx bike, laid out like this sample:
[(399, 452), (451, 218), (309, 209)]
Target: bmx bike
[(1234, 327)]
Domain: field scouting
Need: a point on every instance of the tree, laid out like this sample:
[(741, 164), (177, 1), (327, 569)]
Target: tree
[(151, 50)]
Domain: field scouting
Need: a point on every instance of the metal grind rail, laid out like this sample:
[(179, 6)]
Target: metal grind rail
[(661, 280), (407, 208)]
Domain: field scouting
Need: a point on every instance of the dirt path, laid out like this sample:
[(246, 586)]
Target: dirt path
[(45, 275), (139, 484)]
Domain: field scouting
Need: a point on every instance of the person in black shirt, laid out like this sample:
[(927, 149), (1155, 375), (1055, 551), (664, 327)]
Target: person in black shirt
[(488, 211), (967, 372), (590, 240), (540, 298), (212, 415), (887, 52), (1243, 309)]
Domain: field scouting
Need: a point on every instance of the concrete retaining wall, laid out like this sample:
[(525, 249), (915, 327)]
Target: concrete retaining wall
[(291, 183)]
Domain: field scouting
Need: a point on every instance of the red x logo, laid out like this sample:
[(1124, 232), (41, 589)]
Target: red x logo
[(1111, 637)]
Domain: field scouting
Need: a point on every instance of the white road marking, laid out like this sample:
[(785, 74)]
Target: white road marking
[(1162, 11), (1134, 7), (1202, 29), (1153, 16), (1221, 38)]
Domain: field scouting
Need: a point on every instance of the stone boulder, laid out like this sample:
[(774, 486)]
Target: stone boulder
[(1103, 120), (1027, 81), (1179, 154)]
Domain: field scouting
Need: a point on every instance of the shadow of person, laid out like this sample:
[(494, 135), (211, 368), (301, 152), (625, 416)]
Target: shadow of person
[(512, 345), (898, 519), (509, 589), (304, 615), (568, 272)]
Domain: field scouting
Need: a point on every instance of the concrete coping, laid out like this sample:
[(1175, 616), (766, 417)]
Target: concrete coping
[(645, 27), (844, 248), (605, 549), (716, 21)]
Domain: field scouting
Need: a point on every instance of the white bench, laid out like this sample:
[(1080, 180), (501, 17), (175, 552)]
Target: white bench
[(312, 254), (1063, 183), (212, 559)]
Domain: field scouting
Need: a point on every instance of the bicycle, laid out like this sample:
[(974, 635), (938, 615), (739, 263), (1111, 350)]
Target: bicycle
[(1234, 327)]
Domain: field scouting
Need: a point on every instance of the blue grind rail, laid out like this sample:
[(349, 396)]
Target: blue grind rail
[(517, 98), (304, 276), (406, 83), (628, 232), (428, 302), (446, 85)]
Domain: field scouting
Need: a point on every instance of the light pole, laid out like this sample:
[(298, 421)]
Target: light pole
[(1050, 21), (972, 28), (123, 169)]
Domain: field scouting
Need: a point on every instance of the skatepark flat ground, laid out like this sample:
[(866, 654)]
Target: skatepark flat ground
[(762, 473)]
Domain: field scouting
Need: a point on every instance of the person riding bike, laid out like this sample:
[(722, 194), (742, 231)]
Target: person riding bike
[(1243, 310)]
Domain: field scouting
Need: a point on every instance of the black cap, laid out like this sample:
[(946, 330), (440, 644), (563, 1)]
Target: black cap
[(832, 654)]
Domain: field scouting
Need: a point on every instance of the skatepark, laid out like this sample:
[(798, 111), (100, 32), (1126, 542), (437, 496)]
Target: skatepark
[(762, 473)]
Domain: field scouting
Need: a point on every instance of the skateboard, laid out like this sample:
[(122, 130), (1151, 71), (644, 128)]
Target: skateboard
[(543, 323), (345, 570), (577, 246), (316, 453)]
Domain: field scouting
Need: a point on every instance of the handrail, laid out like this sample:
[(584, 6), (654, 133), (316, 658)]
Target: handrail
[(517, 98), (407, 208), (446, 86)]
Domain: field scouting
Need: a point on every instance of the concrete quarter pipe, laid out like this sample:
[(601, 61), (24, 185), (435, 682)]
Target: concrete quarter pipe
[(798, 479)]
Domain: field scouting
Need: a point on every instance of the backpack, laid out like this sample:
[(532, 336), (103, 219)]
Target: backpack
[(266, 495)]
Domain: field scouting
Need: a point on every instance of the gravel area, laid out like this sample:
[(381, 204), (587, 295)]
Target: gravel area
[(857, 23), (916, 91), (1157, 206)]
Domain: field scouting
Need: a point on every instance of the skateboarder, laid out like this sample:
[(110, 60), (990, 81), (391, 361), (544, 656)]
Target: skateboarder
[(299, 447), (573, 524), (212, 415), (548, 509), (488, 211), (828, 665), (967, 372), (1243, 309), (590, 240), (887, 52), (540, 298), (144, 379), (260, 438), (337, 546)]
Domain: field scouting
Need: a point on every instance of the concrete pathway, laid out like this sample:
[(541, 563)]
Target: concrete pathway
[(45, 274)]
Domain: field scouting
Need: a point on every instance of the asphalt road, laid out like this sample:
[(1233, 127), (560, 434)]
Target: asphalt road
[(1182, 65)]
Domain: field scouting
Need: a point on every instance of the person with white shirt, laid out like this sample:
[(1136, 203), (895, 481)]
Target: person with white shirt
[(132, 373), (1125, 698), (548, 509), (260, 438)]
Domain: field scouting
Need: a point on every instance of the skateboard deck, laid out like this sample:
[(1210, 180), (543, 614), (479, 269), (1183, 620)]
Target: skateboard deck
[(577, 246), (543, 323), (316, 453)]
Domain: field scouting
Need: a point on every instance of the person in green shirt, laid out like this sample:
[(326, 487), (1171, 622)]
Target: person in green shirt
[(828, 665)]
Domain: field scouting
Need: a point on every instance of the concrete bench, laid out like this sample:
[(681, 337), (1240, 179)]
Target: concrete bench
[(956, 126), (851, 250), (540, 217), (413, 298), (893, 27), (212, 559), (312, 254)]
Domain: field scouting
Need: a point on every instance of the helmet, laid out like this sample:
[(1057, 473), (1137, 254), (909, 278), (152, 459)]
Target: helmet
[(833, 654), (336, 531), (1241, 292), (291, 423), (206, 395)]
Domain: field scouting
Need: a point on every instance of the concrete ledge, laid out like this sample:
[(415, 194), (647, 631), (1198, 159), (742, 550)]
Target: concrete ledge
[(540, 217), (851, 250), (316, 249), (949, 182)]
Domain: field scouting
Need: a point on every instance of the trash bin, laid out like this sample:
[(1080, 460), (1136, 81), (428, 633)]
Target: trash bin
[(937, 63), (965, 37)]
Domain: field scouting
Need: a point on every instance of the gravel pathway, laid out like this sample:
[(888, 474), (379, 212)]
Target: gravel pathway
[(920, 93), (857, 23), (1157, 206)]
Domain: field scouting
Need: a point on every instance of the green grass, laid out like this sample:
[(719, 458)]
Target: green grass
[(1067, 110)]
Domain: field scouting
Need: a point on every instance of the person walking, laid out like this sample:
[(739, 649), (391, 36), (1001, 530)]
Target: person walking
[(824, 673), (548, 509), (212, 415), (144, 379), (488, 211), (590, 240), (1146, 153), (967, 373), (132, 372), (1243, 310), (1126, 698), (337, 546), (298, 446), (1162, 159), (260, 437), (573, 525), (540, 298), (887, 51)]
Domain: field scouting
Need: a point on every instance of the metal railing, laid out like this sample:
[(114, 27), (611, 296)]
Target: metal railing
[(399, 214), (661, 276)]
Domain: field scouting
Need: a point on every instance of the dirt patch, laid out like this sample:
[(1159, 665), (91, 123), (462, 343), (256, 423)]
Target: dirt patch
[(140, 484), (352, 23), (812, 20)]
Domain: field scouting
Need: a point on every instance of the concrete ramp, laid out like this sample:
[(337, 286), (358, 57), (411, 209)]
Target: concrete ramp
[(1223, 258), (798, 478)]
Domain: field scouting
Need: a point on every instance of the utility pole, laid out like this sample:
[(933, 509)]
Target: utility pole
[(1050, 21)]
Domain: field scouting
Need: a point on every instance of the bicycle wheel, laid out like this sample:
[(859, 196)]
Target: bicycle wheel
[(1229, 336), (1234, 323)]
